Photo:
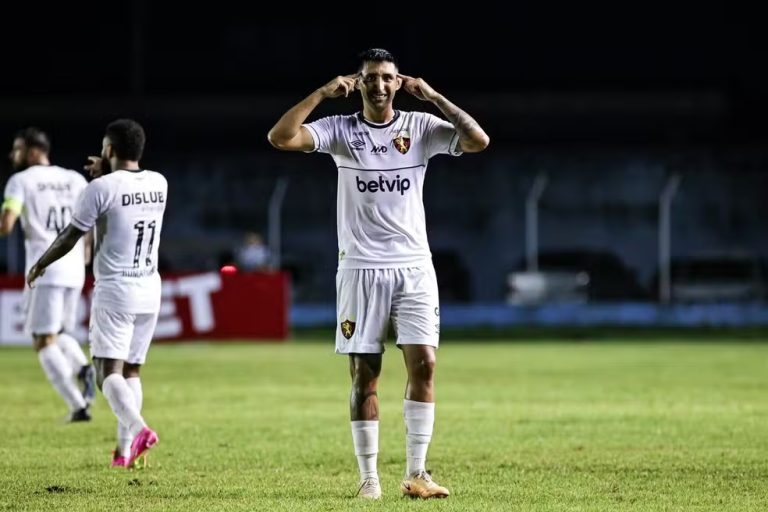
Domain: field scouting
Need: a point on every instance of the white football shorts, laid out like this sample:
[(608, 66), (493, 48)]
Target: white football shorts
[(50, 309), (368, 299), (124, 336)]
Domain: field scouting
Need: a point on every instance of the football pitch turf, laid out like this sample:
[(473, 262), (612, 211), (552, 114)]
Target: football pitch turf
[(538, 425)]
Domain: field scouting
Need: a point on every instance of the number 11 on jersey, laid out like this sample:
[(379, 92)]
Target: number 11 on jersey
[(139, 227)]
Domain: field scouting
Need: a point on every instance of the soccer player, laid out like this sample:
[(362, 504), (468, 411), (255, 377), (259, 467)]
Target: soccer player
[(43, 196), (126, 206), (385, 270)]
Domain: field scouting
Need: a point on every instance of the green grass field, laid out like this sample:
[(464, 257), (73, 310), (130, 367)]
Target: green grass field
[(544, 425)]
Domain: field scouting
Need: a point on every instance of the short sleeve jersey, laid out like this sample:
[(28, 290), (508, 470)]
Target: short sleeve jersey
[(381, 169), (44, 197), (127, 209)]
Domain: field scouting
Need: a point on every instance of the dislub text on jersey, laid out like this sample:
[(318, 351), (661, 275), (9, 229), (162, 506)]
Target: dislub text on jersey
[(143, 198)]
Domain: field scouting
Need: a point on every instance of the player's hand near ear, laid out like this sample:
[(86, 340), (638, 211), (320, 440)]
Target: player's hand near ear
[(418, 87), (341, 85)]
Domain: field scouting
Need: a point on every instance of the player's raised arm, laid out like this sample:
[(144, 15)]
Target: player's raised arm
[(288, 133), (472, 138)]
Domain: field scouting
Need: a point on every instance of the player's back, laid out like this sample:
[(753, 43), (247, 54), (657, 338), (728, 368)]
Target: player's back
[(128, 208), (48, 194)]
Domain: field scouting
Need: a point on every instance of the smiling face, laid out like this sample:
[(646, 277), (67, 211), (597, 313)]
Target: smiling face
[(378, 84)]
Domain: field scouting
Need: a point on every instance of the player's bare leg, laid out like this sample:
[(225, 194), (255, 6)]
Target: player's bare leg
[(59, 373), (364, 415), (419, 414), (121, 398)]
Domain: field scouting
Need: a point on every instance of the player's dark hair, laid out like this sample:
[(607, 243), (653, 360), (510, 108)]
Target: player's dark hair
[(376, 55), (127, 138), (34, 138)]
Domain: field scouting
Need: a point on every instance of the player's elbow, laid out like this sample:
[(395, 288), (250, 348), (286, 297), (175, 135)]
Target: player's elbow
[(482, 142), (476, 144), (5, 227), (277, 141)]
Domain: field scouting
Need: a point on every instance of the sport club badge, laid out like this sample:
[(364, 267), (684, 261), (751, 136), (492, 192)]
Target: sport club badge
[(402, 141), (347, 328)]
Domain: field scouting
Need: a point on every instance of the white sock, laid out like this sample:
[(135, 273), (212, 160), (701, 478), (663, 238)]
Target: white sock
[(124, 438), (365, 436), (138, 394), (59, 373), (419, 420), (72, 351), (123, 403)]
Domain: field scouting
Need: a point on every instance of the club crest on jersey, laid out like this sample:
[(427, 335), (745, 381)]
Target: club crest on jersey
[(347, 328), (402, 141)]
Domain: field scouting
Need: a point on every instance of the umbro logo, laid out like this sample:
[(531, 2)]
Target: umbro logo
[(357, 144)]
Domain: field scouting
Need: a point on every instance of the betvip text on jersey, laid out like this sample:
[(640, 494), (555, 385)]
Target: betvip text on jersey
[(383, 185)]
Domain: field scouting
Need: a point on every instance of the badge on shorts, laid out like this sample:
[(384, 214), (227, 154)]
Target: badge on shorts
[(347, 328)]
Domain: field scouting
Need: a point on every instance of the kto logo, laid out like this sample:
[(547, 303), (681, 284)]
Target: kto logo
[(379, 150), (383, 185)]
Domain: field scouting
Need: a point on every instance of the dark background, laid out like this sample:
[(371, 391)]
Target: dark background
[(518, 67), (607, 99)]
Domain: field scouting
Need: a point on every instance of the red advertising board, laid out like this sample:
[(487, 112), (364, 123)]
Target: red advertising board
[(212, 305)]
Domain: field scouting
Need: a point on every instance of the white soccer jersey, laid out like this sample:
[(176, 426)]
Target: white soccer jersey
[(381, 176), (127, 209), (44, 196)]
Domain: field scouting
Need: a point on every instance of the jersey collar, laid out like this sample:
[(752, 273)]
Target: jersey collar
[(374, 125)]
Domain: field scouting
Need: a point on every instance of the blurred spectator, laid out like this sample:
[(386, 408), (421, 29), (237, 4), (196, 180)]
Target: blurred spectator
[(253, 255)]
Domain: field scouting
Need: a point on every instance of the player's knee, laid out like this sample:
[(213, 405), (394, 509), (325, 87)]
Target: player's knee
[(99, 374), (365, 368), (131, 370), (423, 368), (364, 380), (40, 341), (105, 368)]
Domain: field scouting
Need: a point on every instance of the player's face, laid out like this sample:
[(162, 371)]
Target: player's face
[(378, 83), (18, 155)]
